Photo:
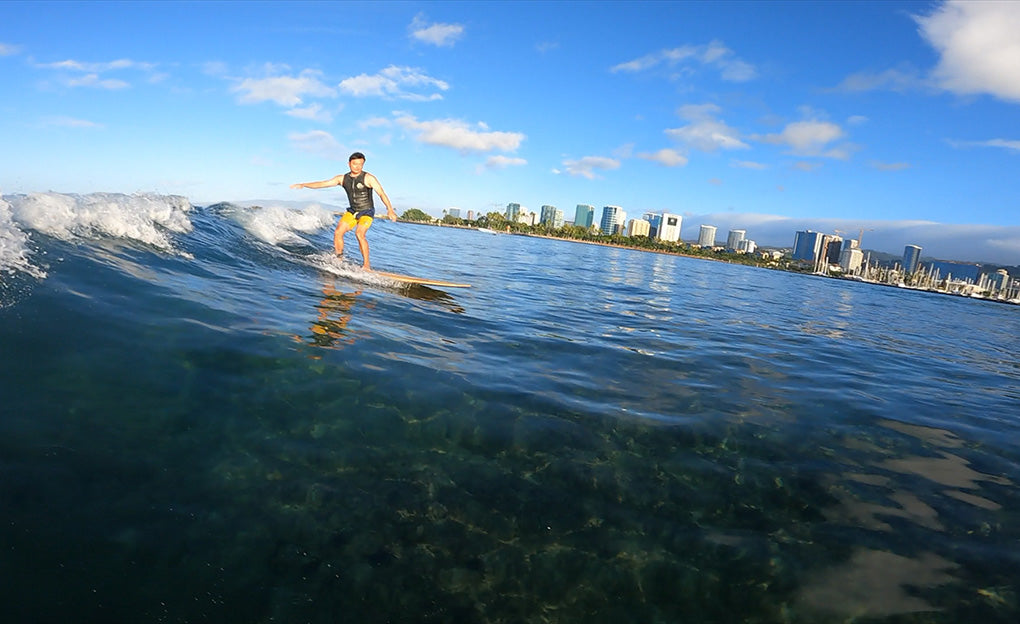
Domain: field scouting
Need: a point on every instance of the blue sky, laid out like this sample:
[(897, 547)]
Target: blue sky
[(856, 112)]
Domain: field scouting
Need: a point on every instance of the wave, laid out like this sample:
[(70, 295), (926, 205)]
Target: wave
[(40, 230), (231, 244)]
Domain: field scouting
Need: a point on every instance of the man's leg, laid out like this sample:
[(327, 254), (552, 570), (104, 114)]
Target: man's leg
[(346, 223), (363, 224)]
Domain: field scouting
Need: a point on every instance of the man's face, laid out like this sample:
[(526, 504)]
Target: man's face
[(356, 165)]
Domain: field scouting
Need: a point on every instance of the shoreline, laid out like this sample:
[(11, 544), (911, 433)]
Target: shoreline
[(724, 260)]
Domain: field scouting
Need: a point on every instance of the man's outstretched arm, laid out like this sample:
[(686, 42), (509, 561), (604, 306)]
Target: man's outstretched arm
[(334, 181)]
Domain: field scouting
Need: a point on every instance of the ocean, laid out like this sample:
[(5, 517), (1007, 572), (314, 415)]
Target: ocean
[(205, 416)]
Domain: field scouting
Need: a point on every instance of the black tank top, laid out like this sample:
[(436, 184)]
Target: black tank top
[(359, 195)]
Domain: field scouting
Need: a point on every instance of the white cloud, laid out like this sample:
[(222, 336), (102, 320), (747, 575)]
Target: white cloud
[(666, 157), (313, 112), (90, 74), (406, 83), (284, 90), (460, 135), (1013, 145), (317, 142), (502, 162), (586, 167), (899, 80), (8, 49), (70, 122), (884, 166), (705, 132), (748, 164), (374, 122), (93, 80), (809, 138), (977, 46), (437, 34), (714, 55), (97, 68), (214, 68)]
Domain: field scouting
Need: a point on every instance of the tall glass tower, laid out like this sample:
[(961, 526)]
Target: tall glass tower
[(806, 245), (612, 219), (551, 216), (911, 259), (584, 216), (513, 210)]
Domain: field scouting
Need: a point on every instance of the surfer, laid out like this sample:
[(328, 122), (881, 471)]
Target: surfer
[(359, 185)]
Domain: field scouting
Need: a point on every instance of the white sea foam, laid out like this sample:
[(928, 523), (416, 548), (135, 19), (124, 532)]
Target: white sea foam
[(275, 224), (146, 218), (14, 249), (329, 262)]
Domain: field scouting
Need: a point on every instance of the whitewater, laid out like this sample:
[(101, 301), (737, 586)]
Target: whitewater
[(205, 415)]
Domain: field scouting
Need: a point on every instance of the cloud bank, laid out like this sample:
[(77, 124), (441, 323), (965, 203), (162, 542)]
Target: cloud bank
[(978, 47)]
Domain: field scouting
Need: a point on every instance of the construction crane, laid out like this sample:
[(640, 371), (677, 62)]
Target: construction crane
[(861, 235)]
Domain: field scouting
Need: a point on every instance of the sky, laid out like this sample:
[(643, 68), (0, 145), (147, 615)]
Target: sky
[(898, 118)]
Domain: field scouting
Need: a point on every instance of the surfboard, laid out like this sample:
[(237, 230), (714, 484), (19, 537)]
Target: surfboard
[(409, 279)]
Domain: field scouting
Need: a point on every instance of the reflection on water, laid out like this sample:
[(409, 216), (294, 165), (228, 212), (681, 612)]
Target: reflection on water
[(875, 583), (336, 309), (885, 493), (329, 329)]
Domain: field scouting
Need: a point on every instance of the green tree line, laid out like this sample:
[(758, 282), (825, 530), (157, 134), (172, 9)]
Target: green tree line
[(497, 221)]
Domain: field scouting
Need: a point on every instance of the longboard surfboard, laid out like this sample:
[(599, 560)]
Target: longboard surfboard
[(409, 279)]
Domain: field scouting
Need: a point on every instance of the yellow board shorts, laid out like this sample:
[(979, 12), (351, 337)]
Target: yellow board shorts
[(349, 219)]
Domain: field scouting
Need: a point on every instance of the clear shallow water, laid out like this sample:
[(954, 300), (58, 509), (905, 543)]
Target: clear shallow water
[(208, 420)]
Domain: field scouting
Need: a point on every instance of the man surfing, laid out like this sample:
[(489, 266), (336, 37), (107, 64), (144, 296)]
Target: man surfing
[(359, 185)]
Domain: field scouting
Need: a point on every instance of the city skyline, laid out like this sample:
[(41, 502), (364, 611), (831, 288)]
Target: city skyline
[(968, 243), (677, 107)]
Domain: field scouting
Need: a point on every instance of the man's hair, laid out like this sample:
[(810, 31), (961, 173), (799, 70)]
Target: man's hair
[(356, 156)]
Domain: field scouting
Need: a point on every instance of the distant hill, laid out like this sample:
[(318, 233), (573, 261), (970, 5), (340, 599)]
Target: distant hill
[(887, 260)]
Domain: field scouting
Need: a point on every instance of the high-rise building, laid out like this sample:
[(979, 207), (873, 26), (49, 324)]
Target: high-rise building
[(653, 219), (911, 259), (851, 258), (734, 238), (454, 212), (806, 245), (471, 215), (999, 280), (669, 227), (526, 217), (830, 248), (747, 246), (551, 216), (584, 216), (612, 219), (638, 227), (706, 237), (512, 211)]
